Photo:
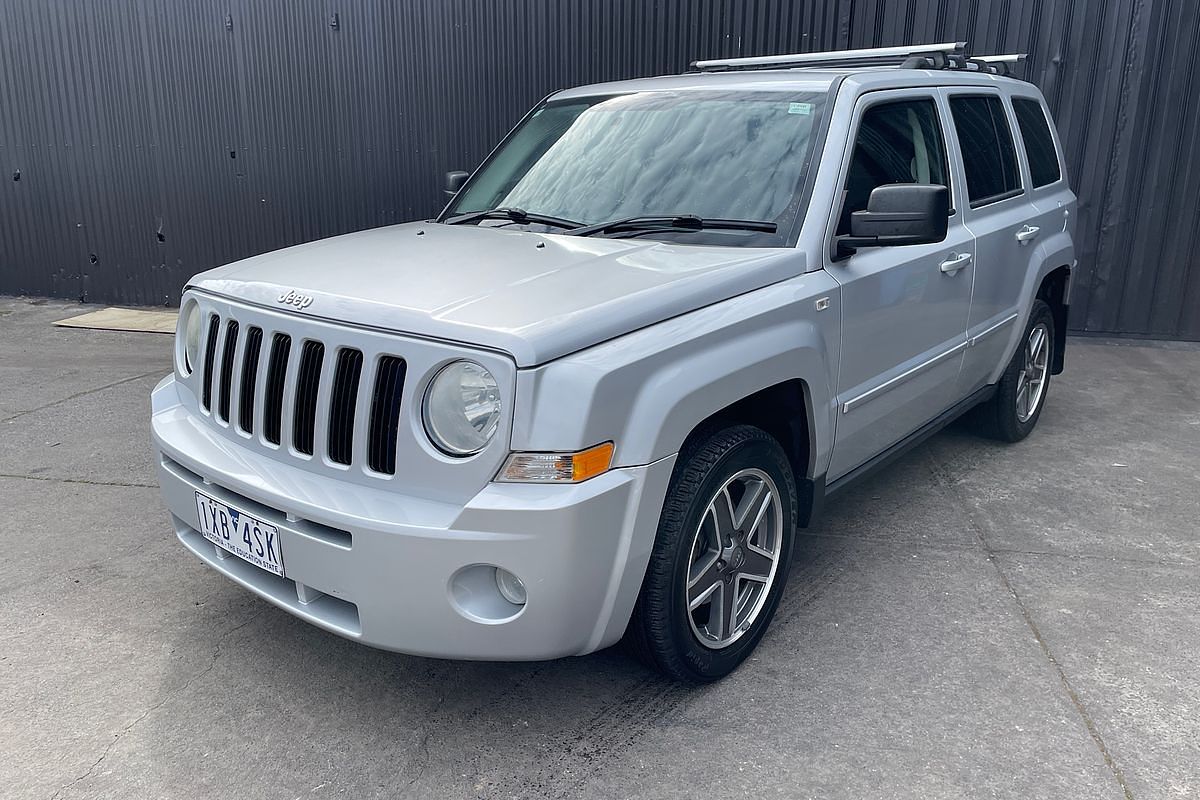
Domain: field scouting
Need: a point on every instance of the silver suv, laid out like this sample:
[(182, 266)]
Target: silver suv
[(596, 398)]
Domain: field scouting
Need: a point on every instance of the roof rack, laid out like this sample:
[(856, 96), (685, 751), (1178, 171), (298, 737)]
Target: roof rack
[(1002, 64), (947, 55), (865, 56)]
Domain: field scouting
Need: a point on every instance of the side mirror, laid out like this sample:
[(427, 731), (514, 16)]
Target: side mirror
[(898, 214), (454, 181)]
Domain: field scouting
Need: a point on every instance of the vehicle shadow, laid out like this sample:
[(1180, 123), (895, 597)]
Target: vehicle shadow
[(419, 727), (426, 727)]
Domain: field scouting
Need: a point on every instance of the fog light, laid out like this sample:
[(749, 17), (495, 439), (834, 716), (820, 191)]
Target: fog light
[(510, 586)]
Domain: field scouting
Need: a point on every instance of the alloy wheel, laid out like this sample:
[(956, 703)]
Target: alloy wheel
[(734, 558), (1031, 380)]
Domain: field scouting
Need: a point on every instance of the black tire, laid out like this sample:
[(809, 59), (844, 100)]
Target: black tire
[(661, 629), (998, 418)]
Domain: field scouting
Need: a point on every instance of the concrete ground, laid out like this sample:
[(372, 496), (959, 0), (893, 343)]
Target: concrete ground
[(977, 621)]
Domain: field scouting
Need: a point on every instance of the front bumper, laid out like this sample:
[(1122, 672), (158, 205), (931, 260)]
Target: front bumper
[(395, 571)]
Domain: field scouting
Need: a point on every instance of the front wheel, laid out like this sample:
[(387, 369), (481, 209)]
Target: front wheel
[(721, 556), (1020, 395)]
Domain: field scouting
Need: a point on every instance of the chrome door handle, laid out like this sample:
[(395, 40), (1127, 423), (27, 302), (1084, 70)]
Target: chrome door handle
[(1027, 233), (954, 263)]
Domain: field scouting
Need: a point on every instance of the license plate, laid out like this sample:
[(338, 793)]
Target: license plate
[(239, 533)]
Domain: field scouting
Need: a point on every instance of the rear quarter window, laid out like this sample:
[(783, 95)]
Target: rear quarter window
[(989, 155), (1039, 144)]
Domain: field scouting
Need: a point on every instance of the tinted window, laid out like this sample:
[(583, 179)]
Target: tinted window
[(710, 153), (1039, 144), (989, 158), (898, 142)]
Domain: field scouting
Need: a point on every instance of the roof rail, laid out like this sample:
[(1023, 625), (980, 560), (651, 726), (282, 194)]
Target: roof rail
[(947, 55), (865, 57)]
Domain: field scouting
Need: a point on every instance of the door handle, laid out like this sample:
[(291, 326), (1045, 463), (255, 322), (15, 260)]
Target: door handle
[(1027, 233), (954, 263)]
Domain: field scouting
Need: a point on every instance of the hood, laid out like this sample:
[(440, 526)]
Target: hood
[(536, 296)]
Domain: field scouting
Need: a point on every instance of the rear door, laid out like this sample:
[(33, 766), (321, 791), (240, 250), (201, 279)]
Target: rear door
[(997, 210), (904, 308), (1053, 202)]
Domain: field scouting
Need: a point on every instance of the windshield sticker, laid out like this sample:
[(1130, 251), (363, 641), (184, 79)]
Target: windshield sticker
[(800, 108)]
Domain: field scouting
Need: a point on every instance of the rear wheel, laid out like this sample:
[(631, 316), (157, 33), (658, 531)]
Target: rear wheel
[(1013, 411), (721, 556)]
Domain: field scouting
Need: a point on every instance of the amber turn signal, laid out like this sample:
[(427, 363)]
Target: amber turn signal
[(557, 467)]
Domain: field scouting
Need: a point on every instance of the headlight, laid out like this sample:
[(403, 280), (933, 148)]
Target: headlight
[(190, 329), (462, 408)]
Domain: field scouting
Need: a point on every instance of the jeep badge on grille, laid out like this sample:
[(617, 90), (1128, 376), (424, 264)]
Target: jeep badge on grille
[(294, 298)]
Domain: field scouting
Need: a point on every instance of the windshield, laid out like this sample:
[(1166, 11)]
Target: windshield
[(711, 154)]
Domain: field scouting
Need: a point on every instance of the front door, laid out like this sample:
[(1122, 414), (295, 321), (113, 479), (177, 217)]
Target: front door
[(904, 308)]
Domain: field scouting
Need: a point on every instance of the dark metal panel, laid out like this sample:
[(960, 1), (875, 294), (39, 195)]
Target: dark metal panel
[(157, 138), (1166, 212), (39, 169)]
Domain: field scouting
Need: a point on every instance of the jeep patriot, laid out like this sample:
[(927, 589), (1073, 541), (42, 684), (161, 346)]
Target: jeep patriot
[(597, 396)]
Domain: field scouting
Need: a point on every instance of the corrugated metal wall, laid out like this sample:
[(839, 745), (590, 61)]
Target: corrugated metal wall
[(149, 139)]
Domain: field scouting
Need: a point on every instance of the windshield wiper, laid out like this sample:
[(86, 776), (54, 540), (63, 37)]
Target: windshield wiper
[(682, 222), (518, 215)]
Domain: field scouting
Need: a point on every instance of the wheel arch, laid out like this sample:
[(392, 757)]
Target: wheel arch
[(1053, 291), (784, 411)]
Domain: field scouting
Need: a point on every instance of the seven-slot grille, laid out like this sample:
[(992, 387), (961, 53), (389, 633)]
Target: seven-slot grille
[(236, 363)]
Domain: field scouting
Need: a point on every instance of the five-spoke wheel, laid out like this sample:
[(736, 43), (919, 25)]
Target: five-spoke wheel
[(734, 557), (1031, 380), (1021, 393), (720, 559)]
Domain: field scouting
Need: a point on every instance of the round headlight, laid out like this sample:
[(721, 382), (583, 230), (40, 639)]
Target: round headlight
[(462, 408), (190, 328)]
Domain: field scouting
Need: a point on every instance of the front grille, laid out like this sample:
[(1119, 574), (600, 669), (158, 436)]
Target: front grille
[(230, 354), (249, 378), (210, 357), (342, 400), (385, 415), (300, 388), (281, 348), (307, 384)]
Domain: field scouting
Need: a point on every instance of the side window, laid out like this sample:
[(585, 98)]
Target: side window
[(1039, 144), (898, 142), (989, 157)]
